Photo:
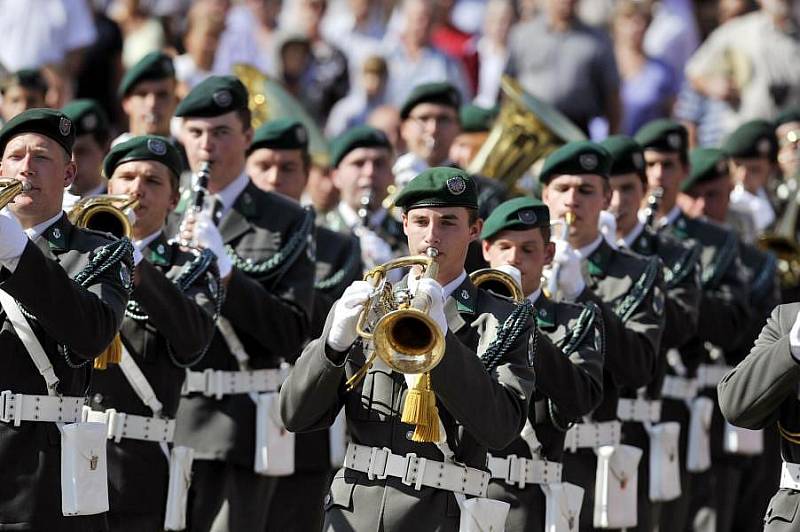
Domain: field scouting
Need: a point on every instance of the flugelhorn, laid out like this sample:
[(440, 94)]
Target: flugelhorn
[(499, 282), (552, 282), (110, 213), (10, 189)]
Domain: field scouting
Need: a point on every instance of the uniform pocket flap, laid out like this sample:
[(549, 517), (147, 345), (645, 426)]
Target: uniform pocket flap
[(782, 507)]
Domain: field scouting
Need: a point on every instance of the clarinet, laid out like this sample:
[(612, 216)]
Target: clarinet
[(653, 203), (199, 191)]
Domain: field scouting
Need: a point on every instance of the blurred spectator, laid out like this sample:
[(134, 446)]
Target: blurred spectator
[(22, 90), (249, 37), (205, 25), (148, 96), (369, 94), (468, 15), (529, 9), (91, 145), (648, 85), (567, 64), (476, 122), (455, 42), (357, 29), (387, 119), (750, 62), (787, 130), (413, 60), (141, 32), (493, 50), (673, 35)]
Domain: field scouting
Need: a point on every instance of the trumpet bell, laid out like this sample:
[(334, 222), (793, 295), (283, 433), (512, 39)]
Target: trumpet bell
[(106, 213), (498, 282), (409, 341)]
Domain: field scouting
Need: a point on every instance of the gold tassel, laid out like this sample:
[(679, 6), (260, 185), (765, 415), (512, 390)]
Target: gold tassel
[(420, 410), (112, 354)]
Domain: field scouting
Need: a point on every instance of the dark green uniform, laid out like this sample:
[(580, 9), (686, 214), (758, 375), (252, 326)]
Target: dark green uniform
[(84, 320), (166, 329)]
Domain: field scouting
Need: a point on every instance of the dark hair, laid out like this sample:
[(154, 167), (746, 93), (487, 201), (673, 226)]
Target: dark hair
[(246, 117)]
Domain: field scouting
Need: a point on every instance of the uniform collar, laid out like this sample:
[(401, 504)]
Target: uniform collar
[(545, 311), (628, 240), (229, 195), (157, 250), (599, 258), (40, 229), (237, 220), (587, 250), (351, 218), (52, 235)]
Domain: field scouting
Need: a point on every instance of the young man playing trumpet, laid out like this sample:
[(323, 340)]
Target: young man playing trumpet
[(569, 357), (168, 327), (73, 285), (482, 386), (628, 290)]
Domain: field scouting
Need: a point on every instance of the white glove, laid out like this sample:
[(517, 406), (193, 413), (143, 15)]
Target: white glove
[(570, 278), (207, 236), (433, 290), (512, 271), (345, 316), (607, 223), (12, 239), (374, 250)]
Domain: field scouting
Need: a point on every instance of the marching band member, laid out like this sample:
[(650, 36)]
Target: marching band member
[(91, 146)]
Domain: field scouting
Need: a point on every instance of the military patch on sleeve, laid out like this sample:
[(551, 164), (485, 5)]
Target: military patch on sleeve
[(124, 275)]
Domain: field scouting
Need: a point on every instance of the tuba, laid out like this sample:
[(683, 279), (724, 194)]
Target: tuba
[(10, 189), (106, 212), (782, 241), (498, 282), (526, 130)]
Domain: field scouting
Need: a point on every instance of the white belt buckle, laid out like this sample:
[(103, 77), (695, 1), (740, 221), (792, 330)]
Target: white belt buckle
[(371, 472), (410, 474), (522, 471), (5, 406)]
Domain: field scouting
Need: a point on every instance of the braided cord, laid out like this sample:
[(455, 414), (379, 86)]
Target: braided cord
[(353, 262), (508, 334), (626, 307)]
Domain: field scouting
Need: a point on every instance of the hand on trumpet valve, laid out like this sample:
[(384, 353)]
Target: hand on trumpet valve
[(199, 229), (343, 333), (432, 290), (12, 237), (567, 263)]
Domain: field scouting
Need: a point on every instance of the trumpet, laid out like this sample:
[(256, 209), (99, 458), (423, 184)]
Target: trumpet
[(552, 283), (499, 282), (110, 213), (10, 189)]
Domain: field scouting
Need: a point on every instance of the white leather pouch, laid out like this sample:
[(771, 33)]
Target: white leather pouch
[(615, 486), (665, 471), (738, 440), (274, 444), (180, 478), (563, 507), (698, 454), (337, 437), (480, 514), (84, 470)]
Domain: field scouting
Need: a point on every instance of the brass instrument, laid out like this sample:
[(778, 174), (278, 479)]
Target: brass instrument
[(782, 240), (526, 130), (110, 213), (552, 283), (10, 189), (653, 204), (499, 282)]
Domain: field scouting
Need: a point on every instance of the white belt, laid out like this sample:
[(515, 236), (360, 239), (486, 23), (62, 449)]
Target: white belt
[(416, 471), (216, 383), (132, 427), (518, 470), (679, 388), (641, 410), (19, 407), (790, 476), (593, 435), (708, 376)]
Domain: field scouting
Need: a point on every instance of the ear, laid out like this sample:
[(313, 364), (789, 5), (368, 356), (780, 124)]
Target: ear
[(475, 229), (70, 170), (405, 224), (485, 247), (248, 135), (549, 252)]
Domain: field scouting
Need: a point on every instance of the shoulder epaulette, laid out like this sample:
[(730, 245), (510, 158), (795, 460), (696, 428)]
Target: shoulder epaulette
[(687, 262), (625, 308)]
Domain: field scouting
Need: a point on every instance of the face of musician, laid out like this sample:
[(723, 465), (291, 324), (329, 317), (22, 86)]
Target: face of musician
[(282, 171), (529, 251), (361, 172), (585, 195), (666, 170), (222, 140), (429, 131), (43, 163), (149, 107), (88, 153), (155, 186), (465, 146), (627, 195), (448, 229), (752, 173), (18, 98), (710, 199), (788, 145)]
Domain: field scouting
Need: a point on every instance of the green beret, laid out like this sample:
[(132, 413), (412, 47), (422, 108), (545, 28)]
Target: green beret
[(753, 139), (144, 148), (153, 66), (707, 164), (440, 186), (516, 214), (663, 135), (214, 96), (280, 134), (88, 117), (30, 78), (476, 119), (48, 122), (357, 137), (627, 157), (440, 92), (575, 158), (790, 114)]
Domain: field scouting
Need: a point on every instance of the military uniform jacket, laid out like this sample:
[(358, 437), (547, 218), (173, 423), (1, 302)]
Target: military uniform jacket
[(270, 316), (390, 230), (762, 391), (176, 329), (628, 289), (681, 269), (723, 305), (83, 319), (479, 410)]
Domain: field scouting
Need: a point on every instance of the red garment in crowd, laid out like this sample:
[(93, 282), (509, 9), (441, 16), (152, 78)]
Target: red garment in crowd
[(460, 46)]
